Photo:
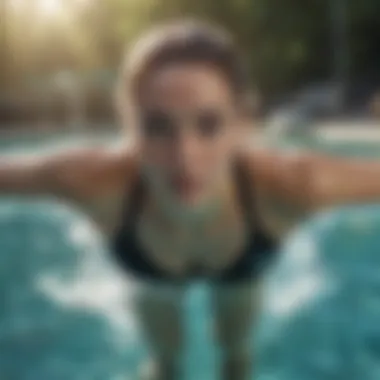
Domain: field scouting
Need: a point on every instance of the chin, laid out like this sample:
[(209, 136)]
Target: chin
[(191, 202)]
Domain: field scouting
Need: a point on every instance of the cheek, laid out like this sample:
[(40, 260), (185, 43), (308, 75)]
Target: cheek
[(219, 153), (156, 153), (156, 164)]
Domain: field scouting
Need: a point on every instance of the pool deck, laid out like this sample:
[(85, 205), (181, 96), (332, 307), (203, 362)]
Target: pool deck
[(362, 132)]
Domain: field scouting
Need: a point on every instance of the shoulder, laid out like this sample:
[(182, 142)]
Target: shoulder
[(96, 171), (274, 168), (281, 184)]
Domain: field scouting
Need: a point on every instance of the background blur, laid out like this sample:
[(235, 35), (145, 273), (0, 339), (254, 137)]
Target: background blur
[(60, 58)]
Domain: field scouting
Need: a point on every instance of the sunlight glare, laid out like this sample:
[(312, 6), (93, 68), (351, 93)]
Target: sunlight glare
[(50, 7)]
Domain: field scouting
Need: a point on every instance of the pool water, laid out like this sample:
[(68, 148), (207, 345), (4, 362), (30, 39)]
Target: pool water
[(46, 142), (22, 364), (65, 305), (201, 356)]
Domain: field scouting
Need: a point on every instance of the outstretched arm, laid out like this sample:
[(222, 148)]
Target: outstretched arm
[(341, 181), (312, 181), (72, 174)]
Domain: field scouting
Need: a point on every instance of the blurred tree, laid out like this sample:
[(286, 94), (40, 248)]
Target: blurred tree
[(287, 43)]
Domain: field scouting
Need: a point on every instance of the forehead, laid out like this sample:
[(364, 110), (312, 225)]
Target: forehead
[(187, 86)]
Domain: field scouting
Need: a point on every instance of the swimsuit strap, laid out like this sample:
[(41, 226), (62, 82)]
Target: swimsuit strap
[(133, 204), (247, 197)]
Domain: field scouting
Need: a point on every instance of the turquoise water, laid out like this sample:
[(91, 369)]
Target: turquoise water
[(41, 142), (321, 306), (74, 338), (60, 302), (65, 306)]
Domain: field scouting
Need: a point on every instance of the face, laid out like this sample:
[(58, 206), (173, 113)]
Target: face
[(189, 132)]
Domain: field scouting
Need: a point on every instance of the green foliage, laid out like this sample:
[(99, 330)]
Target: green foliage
[(286, 42)]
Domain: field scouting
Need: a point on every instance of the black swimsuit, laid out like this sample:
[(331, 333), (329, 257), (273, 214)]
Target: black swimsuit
[(257, 252)]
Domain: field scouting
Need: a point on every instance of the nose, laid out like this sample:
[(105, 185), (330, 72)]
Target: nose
[(187, 151)]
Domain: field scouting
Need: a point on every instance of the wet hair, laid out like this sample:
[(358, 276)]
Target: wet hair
[(178, 42)]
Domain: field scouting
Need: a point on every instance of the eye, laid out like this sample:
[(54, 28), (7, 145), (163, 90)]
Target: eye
[(158, 124), (210, 123)]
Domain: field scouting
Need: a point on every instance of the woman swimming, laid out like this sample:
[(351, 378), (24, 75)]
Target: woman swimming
[(191, 193)]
